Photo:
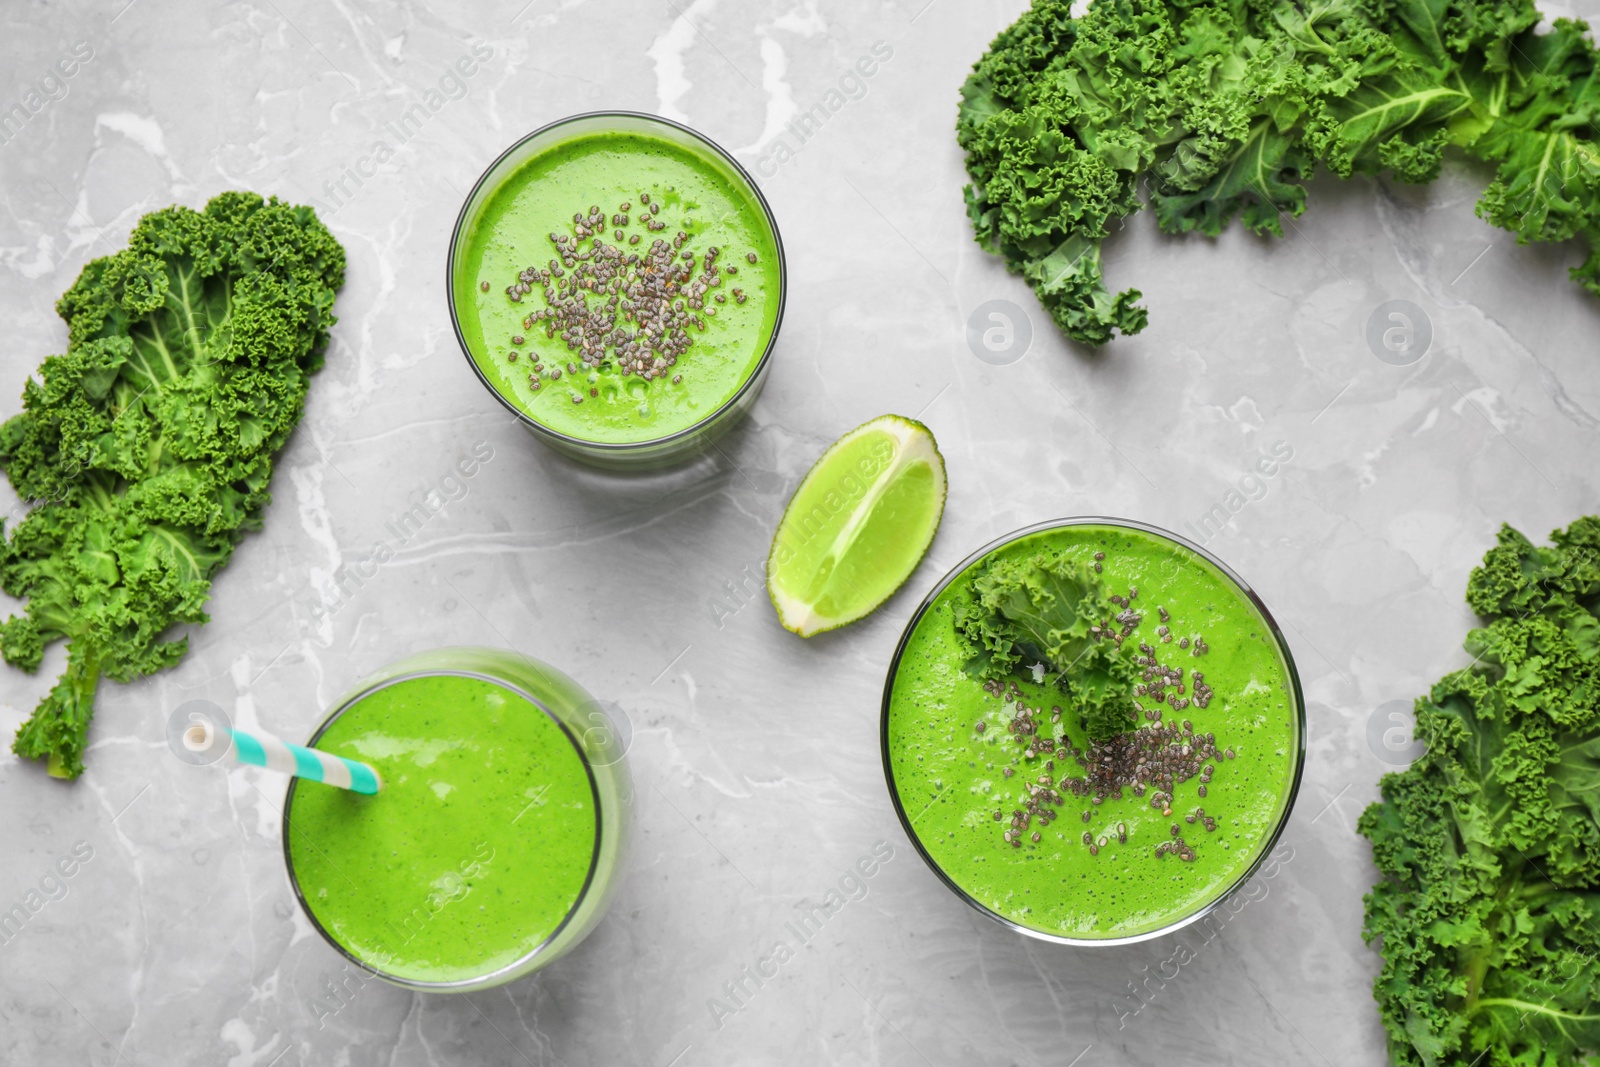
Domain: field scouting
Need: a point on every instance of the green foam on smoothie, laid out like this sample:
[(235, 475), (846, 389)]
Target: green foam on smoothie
[(949, 776), (512, 232), (477, 847)]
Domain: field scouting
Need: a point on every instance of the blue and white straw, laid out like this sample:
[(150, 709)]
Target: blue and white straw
[(259, 750)]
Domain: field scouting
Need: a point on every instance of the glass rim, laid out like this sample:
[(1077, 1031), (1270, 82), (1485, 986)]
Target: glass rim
[(619, 447), (499, 974), (1299, 754)]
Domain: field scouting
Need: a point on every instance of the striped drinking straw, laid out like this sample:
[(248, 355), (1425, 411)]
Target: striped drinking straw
[(259, 750)]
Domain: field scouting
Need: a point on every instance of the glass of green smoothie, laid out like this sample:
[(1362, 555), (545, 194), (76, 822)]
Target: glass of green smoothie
[(617, 281), (497, 839), (1120, 795)]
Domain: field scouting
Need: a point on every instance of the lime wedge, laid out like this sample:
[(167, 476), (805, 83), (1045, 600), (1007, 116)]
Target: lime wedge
[(858, 525)]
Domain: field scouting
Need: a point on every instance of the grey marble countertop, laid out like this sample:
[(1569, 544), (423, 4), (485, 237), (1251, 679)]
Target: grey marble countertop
[(755, 753)]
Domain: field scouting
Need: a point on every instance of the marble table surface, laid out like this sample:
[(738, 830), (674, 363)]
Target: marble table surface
[(755, 754)]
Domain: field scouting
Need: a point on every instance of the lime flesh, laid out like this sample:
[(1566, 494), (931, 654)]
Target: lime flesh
[(858, 525)]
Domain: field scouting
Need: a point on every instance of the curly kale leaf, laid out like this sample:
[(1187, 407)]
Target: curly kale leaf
[(147, 446), (1221, 110), (1047, 611), (1488, 915)]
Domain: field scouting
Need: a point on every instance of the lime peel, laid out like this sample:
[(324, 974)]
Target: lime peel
[(857, 526)]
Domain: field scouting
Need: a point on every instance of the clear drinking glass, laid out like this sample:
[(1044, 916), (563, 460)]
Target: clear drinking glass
[(1295, 755), (529, 687), (632, 455)]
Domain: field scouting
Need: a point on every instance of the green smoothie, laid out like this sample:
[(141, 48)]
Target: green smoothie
[(618, 287), (476, 850), (998, 791)]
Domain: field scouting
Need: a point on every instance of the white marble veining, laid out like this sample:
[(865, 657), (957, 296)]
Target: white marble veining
[(755, 753)]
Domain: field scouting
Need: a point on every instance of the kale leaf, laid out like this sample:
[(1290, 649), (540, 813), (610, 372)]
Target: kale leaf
[(1048, 611), (147, 446), (1222, 108), (1488, 915)]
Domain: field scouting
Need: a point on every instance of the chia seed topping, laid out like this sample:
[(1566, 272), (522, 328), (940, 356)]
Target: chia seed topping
[(1154, 758), (615, 304)]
